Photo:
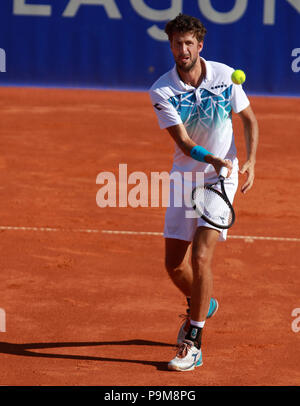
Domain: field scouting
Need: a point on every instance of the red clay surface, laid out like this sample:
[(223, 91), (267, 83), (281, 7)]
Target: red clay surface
[(99, 309)]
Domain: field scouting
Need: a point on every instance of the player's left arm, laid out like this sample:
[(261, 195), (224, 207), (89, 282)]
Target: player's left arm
[(251, 134)]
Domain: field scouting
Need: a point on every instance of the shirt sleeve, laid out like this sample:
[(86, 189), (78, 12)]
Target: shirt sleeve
[(166, 113), (239, 100)]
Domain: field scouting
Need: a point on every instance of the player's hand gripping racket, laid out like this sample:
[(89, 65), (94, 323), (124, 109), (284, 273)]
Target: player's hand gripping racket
[(212, 204)]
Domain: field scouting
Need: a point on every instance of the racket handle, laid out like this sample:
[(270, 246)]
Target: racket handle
[(223, 172)]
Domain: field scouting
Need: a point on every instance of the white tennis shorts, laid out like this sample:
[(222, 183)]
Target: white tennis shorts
[(181, 222)]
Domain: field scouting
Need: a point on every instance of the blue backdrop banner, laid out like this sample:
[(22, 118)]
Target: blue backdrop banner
[(121, 43)]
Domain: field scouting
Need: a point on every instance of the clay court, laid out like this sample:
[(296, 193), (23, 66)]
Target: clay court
[(84, 290)]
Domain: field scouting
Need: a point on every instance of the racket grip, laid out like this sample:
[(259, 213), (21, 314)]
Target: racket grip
[(223, 172)]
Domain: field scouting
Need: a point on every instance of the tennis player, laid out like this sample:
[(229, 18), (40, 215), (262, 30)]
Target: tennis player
[(194, 102)]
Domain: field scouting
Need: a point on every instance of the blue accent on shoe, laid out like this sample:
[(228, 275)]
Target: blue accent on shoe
[(199, 362), (213, 307)]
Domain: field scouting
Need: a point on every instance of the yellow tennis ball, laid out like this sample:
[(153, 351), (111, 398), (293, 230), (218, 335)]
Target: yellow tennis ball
[(238, 77)]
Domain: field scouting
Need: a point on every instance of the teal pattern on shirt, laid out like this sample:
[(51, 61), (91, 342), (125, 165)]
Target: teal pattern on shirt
[(210, 112)]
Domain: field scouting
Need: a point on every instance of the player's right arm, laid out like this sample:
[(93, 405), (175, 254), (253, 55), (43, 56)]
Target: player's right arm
[(186, 144)]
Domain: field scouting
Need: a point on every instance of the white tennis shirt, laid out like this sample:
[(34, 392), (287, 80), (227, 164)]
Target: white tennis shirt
[(206, 113)]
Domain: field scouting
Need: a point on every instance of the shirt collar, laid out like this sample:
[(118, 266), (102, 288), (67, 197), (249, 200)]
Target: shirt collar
[(204, 82), (208, 76)]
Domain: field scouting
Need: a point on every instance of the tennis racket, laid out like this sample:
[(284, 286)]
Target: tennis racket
[(212, 204)]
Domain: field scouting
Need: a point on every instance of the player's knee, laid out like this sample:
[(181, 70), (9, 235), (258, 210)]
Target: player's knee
[(201, 263), (174, 269)]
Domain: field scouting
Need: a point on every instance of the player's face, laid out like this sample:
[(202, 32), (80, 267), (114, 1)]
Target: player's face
[(185, 48)]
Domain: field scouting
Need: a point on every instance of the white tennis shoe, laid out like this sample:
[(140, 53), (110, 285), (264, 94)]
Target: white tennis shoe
[(187, 358)]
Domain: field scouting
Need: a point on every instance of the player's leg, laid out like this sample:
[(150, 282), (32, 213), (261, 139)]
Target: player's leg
[(203, 247), (177, 263), (189, 354), (179, 268)]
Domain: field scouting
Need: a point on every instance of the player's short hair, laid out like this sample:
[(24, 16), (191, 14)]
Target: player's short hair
[(184, 23)]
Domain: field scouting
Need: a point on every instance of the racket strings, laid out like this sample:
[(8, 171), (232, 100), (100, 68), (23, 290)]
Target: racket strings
[(213, 206)]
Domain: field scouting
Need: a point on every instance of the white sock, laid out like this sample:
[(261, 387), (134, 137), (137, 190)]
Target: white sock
[(198, 323)]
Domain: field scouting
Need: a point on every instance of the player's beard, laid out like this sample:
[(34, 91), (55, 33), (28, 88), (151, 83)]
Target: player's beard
[(186, 67)]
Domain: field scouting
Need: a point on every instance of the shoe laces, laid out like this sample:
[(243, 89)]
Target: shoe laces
[(184, 348)]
